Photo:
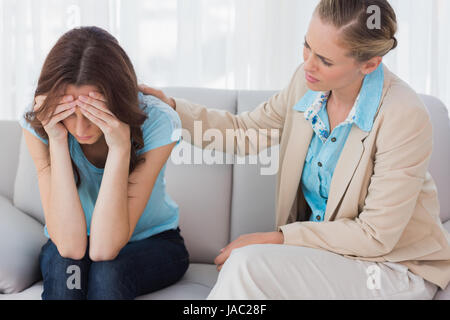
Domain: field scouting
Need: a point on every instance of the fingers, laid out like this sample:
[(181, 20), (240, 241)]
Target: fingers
[(89, 102), (97, 95), (222, 257), (145, 89), (39, 100), (99, 122), (99, 104), (63, 107), (59, 117), (158, 94), (151, 91), (99, 117)]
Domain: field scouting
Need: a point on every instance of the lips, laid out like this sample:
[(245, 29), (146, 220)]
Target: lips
[(310, 78), (84, 138)]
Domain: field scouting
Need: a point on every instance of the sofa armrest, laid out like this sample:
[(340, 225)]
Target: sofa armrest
[(21, 240)]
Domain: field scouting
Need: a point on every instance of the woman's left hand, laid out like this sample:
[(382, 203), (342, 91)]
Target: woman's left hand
[(245, 240), (117, 133)]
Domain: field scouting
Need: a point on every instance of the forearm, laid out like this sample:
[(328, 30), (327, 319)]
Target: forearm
[(244, 134), (66, 223), (110, 225), (267, 120)]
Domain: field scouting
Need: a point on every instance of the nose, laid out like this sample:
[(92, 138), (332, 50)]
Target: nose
[(82, 124), (310, 64)]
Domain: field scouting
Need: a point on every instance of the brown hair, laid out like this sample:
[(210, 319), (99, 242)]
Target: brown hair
[(351, 18), (91, 56)]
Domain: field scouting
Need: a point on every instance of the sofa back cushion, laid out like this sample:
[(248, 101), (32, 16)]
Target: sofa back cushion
[(202, 192), (254, 181), (26, 187), (440, 159), (10, 133)]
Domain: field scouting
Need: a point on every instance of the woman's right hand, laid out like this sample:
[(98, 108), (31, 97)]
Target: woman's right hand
[(56, 130), (157, 93)]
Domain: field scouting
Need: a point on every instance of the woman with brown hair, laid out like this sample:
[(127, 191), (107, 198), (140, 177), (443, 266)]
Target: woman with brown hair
[(357, 212), (100, 149)]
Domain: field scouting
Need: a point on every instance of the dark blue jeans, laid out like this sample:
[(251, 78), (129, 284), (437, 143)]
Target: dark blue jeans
[(141, 267)]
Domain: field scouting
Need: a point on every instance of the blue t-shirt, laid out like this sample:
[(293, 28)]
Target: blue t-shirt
[(162, 127)]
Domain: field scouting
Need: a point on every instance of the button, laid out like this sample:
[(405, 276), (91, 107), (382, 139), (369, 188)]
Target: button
[(318, 218), (320, 164), (333, 139)]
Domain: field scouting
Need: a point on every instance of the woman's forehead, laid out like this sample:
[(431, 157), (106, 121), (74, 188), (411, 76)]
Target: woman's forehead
[(323, 38), (82, 90)]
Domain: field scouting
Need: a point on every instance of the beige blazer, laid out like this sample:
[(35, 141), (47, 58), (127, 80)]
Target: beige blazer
[(383, 203)]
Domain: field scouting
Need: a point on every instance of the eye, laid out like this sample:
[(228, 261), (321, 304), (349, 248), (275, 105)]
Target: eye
[(306, 45), (326, 63)]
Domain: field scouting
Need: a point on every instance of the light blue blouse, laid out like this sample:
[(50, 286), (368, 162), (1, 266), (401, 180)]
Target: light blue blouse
[(162, 127), (325, 147)]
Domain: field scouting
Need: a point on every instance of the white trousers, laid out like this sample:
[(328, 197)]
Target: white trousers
[(269, 271)]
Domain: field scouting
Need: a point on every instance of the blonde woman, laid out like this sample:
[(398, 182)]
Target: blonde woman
[(357, 212)]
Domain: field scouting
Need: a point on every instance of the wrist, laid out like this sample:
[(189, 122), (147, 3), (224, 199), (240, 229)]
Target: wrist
[(275, 237), (58, 141), (120, 150), (278, 237)]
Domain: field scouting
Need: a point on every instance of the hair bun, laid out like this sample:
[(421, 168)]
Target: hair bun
[(395, 43)]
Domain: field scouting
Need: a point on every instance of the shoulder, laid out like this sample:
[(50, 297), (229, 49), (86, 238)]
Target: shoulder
[(162, 126), (403, 115), (400, 100), (158, 112)]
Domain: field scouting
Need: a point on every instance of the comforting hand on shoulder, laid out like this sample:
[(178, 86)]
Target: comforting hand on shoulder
[(158, 94)]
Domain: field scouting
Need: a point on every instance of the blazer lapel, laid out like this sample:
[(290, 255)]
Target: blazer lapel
[(294, 159), (345, 168), (292, 165), (350, 157)]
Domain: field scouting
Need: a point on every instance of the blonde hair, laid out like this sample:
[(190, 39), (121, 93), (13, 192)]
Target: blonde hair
[(351, 19)]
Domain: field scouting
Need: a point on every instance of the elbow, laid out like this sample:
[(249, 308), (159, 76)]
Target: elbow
[(105, 249), (101, 257), (379, 249)]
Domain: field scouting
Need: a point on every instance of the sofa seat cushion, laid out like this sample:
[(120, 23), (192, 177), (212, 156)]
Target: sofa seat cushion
[(196, 284)]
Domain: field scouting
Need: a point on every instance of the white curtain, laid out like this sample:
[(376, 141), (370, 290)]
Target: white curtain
[(229, 44)]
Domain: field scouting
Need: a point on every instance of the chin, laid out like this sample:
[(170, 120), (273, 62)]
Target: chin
[(313, 86), (317, 87), (92, 140)]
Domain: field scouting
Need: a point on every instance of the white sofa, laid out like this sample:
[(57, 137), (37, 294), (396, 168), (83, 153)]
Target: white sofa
[(216, 196)]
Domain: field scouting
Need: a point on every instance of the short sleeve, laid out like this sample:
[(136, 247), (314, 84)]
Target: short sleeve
[(24, 124), (162, 127)]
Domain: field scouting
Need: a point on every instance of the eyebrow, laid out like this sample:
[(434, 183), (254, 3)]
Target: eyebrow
[(321, 57)]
